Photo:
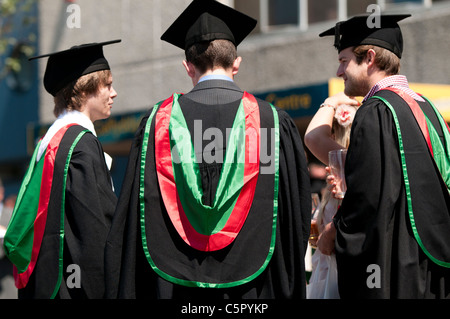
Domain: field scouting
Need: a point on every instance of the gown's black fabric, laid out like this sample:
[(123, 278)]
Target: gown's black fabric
[(377, 253), (89, 206), (129, 274)]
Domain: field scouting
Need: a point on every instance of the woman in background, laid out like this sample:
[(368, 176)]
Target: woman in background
[(328, 130)]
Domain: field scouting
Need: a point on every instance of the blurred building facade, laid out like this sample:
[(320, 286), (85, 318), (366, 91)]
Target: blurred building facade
[(284, 60)]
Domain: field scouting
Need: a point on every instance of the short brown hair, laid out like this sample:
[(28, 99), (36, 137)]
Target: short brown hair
[(386, 60), (208, 55), (73, 95)]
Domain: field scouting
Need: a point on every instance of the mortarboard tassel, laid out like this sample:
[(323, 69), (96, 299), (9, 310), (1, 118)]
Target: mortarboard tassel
[(337, 35)]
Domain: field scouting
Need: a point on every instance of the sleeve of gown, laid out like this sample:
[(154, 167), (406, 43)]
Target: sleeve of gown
[(294, 207), (120, 251), (90, 204), (295, 188)]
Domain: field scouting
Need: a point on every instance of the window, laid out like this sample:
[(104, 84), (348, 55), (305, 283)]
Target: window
[(275, 14), (399, 1), (355, 7), (283, 12), (324, 10)]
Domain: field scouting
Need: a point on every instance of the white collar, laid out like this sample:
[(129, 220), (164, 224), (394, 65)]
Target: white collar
[(215, 77), (68, 117)]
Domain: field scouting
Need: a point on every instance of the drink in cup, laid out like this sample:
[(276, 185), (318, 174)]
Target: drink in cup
[(314, 234), (336, 162)]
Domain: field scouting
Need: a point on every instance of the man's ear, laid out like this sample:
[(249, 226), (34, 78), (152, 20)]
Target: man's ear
[(236, 65), (370, 57), (190, 69)]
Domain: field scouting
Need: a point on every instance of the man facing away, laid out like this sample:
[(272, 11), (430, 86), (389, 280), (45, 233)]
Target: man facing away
[(223, 216), (391, 233)]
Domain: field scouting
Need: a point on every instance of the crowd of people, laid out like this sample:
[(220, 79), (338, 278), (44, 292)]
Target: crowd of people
[(221, 218)]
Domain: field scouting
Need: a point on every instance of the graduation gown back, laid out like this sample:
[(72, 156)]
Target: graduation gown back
[(377, 253), (129, 274)]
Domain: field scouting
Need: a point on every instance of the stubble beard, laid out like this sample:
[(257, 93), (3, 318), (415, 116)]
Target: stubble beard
[(356, 87)]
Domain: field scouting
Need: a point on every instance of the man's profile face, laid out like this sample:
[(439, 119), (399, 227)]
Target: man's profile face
[(353, 74)]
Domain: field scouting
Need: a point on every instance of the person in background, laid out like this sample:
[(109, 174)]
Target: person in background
[(57, 234), (391, 232), (328, 130), (226, 215)]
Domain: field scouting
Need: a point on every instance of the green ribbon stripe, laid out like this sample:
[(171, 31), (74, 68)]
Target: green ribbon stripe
[(441, 153), (63, 210)]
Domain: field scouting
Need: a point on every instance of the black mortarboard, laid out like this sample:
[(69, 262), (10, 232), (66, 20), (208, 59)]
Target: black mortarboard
[(66, 66), (359, 31), (207, 20)]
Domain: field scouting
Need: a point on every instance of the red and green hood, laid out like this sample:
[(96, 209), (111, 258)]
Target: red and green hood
[(224, 227), (26, 228)]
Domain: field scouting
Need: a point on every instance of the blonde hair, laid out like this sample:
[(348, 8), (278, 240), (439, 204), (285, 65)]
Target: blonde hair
[(341, 134), (73, 96)]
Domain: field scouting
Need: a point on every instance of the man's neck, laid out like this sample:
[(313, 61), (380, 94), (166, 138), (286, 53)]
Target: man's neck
[(376, 77), (216, 73)]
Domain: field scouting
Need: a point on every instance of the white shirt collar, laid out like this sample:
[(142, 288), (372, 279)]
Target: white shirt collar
[(215, 77), (68, 117)]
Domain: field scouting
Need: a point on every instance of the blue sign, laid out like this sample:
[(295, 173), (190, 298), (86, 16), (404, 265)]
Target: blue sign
[(298, 102)]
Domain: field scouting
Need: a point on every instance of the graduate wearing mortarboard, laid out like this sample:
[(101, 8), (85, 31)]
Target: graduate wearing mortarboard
[(57, 233), (213, 204), (392, 231)]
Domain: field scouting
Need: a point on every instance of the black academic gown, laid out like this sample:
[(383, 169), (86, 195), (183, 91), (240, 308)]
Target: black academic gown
[(377, 253), (129, 274), (89, 206)]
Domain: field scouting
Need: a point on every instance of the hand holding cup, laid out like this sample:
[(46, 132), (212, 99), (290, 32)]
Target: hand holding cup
[(336, 163)]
